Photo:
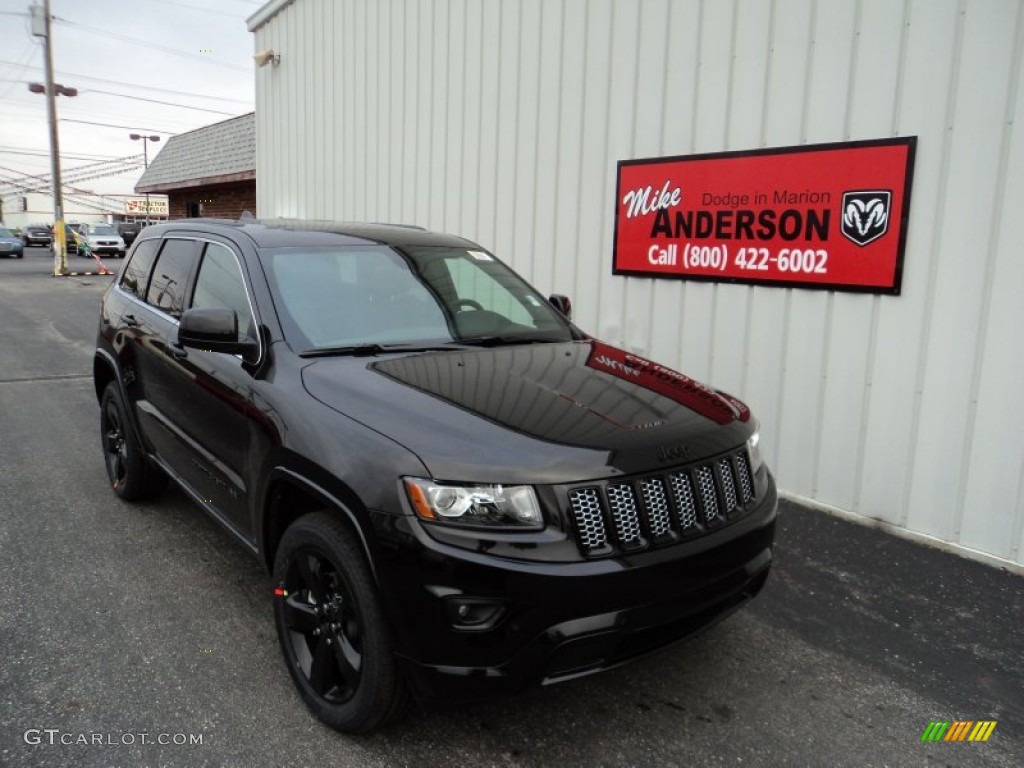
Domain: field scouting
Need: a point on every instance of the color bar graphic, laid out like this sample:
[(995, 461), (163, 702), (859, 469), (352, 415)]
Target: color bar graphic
[(935, 731), (958, 730), (982, 730)]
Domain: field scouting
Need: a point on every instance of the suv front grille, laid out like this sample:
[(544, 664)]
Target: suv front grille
[(589, 520), (661, 508)]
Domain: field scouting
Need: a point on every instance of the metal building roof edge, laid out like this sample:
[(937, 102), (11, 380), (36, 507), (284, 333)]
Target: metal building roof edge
[(266, 13)]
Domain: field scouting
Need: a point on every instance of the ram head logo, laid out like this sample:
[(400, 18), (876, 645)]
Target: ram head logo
[(866, 214)]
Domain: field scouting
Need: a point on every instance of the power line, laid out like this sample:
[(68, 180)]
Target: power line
[(76, 108), (154, 88), (152, 46), (140, 86), (112, 125), (196, 8), (21, 68), (97, 170), (155, 101), (33, 110), (16, 149), (46, 153)]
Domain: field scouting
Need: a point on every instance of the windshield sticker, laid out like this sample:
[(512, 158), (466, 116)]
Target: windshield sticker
[(481, 256)]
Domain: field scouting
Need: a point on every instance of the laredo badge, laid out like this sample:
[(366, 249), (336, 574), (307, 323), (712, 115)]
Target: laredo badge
[(866, 215)]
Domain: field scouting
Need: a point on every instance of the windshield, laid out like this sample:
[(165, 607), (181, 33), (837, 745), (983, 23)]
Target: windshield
[(103, 229), (4, 232), (374, 295)]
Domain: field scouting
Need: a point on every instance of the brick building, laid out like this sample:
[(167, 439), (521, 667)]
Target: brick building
[(210, 171)]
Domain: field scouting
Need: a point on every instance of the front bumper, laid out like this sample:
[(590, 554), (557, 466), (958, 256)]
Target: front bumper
[(558, 621), (110, 250)]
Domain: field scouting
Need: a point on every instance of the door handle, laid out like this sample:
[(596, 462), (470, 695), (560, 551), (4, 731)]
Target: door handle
[(130, 320)]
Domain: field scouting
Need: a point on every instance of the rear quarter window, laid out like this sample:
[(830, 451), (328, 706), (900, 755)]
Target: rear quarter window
[(171, 276), (136, 273)]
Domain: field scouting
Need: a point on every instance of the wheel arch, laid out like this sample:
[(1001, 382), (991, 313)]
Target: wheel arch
[(104, 371), (290, 494)]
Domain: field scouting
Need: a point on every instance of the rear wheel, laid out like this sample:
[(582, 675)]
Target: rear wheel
[(332, 630), (131, 475)]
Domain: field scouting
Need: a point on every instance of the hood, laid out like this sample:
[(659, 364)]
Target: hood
[(539, 413)]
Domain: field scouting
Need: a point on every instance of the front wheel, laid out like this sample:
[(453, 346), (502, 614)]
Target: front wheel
[(332, 630)]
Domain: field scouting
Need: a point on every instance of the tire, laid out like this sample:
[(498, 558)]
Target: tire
[(131, 475), (336, 641)]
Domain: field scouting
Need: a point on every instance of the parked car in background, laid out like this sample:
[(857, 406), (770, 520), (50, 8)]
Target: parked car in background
[(10, 245), (458, 492), (37, 234), (129, 230), (103, 239)]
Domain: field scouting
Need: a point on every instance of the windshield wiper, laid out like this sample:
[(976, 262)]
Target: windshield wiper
[(363, 350), (500, 341)]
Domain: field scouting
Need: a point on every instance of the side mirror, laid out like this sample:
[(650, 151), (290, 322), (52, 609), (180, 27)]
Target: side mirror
[(214, 329), (562, 304)]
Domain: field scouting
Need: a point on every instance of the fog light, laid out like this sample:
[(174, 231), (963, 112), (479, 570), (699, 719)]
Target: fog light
[(474, 613)]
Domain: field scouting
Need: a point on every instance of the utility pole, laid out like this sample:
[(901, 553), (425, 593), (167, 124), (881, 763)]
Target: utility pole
[(60, 264), (145, 160)]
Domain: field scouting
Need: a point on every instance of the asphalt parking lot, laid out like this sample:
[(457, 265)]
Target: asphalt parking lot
[(120, 620)]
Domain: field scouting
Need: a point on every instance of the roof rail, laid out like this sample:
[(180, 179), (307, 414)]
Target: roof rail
[(403, 226)]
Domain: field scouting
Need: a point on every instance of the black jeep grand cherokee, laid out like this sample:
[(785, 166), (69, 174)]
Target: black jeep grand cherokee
[(458, 492)]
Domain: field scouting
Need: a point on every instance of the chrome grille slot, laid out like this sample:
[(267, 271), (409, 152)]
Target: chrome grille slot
[(746, 482), (655, 499), (586, 507), (682, 492), (622, 505), (728, 484), (708, 496)]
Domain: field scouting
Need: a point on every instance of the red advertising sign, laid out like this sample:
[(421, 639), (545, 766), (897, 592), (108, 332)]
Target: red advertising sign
[(827, 216)]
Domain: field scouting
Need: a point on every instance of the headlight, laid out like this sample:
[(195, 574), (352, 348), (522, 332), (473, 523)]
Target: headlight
[(756, 459), (477, 505)]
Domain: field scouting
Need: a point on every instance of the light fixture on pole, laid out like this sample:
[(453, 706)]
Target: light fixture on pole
[(145, 158)]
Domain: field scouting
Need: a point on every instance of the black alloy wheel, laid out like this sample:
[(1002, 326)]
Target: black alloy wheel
[(115, 449), (131, 475), (323, 624), (332, 630)]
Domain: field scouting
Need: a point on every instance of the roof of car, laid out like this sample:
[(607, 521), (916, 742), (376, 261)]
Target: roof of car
[(276, 233)]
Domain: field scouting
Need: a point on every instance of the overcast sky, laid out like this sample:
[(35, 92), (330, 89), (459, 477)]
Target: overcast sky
[(195, 54)]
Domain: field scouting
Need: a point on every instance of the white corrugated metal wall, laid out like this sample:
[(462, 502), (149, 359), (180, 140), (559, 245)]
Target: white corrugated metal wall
[(502, 120)]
